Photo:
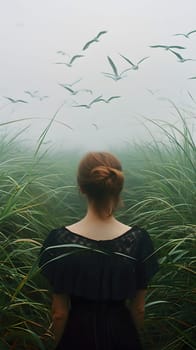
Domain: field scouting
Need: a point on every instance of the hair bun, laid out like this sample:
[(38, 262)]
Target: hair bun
[(100, 178), (107, 177)]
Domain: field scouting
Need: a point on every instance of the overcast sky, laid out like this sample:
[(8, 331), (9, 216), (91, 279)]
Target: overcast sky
[(33, 31)]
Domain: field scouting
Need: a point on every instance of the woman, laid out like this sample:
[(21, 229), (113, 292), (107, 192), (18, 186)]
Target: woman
[(98, 267)]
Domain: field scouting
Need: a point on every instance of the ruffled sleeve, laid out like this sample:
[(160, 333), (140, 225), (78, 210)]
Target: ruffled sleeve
[(147, 262)]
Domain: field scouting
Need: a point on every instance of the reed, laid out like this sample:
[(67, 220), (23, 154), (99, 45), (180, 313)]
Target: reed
[(38, 192)]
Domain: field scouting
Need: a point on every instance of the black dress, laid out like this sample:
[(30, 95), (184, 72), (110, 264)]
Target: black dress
[(98, 276)]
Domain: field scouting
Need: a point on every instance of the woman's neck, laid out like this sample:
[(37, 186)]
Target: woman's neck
[(97, 227), (94, 216)]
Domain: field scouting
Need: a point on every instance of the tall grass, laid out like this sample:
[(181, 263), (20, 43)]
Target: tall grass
[(164, 201), (38, 192)]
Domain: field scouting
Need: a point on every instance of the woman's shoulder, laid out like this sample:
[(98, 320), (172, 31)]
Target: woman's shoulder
[(133, 236), (62, 233), (54, 236)]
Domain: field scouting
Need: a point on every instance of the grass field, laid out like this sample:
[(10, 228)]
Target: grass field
[(39, 192)]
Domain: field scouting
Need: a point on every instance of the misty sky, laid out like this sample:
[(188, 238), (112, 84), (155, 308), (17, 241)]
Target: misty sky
[(33, 31)]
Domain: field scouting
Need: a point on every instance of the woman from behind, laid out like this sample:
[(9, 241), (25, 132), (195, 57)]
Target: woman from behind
[(98, 268)]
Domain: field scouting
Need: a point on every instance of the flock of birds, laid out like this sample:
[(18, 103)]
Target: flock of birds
[(115, 74), (33, 94)]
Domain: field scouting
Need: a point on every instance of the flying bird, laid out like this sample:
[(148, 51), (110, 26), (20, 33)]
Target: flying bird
[(71, 61), (168, 47), (60, 52), (115, 76), (97, 99), (181, 59), (152, 92), (94, 40), (109, 99), (32, 94), (75, 92), (186, 35), (15, 101), (41, 98), (134, 66), (95, 125)]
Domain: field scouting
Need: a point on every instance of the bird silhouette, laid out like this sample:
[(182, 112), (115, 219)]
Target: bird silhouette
[(71, 61), (109, 99), (95, 125), (88, 106), (153, 92), (60, 52), (41, 98), (186, 35), (181, 59), (134, 66), (94, 40), (115, 76), (32, 94), (75, 92), (12, 100), (168, 47)]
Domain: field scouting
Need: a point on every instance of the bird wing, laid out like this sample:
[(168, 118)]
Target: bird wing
[(155, 46), (29, 93), (128, 60), (112, 98), (75, 82), (95, 125), (101, 33), (143, 59), (192, 31), (88, 44), (61, 52), (97, 99), (177, 47), (21, 101), (74, 58), (112, 76), (112, 65), (108, 74), (126, 70), (87, 90), (10, 99), (177, 54), (86, 106), (94, 39), (69, 89), (182, 34)]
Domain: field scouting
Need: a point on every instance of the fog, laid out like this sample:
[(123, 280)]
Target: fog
[(33, 32)]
